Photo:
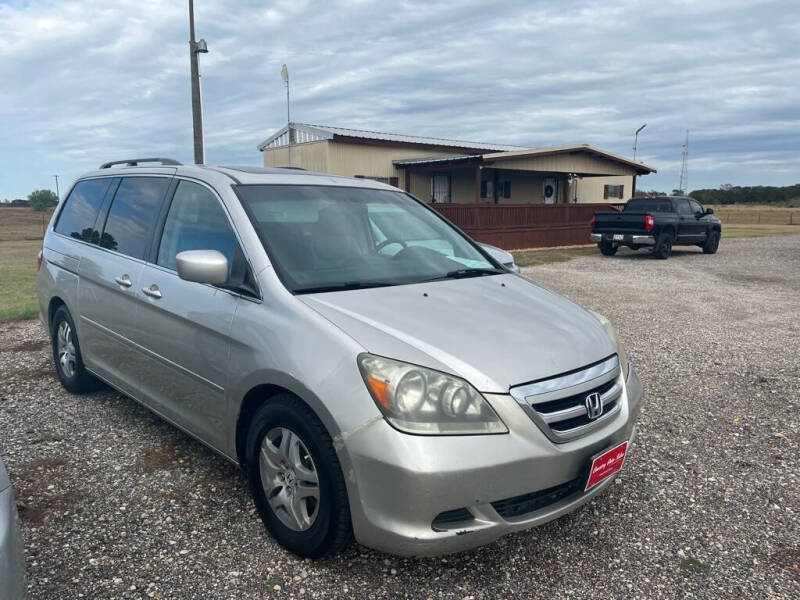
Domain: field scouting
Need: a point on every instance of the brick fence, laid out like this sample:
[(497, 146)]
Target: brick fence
[(516, 226)]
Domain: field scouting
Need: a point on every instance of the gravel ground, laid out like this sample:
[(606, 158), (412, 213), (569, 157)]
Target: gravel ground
[(117, 504)]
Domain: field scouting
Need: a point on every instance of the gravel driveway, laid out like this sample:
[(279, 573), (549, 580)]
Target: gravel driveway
[(117, 504)]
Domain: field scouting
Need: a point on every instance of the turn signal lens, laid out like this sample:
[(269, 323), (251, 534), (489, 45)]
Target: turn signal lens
[(649, 223), (380, 391)]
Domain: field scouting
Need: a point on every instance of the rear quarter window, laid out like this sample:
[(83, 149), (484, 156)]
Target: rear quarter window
[(78, 218)]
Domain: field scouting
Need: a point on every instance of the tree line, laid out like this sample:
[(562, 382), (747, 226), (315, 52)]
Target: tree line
[(37, 200), (759, 194)]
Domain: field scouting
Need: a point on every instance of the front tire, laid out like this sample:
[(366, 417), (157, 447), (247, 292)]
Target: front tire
[(607, 248), (712, 242), (296, 479), (663, 247), (67, 354)]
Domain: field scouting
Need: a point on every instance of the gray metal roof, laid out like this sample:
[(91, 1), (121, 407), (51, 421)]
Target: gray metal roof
[(310, 133), (430, 160)]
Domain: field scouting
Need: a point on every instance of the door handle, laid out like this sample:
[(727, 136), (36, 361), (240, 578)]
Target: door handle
[(124, 281), (152, 291)]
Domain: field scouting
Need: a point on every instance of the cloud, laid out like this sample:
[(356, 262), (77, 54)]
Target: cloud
[(91, 81)]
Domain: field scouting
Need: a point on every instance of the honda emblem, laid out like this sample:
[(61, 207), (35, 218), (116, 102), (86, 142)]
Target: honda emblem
[(594, 405)]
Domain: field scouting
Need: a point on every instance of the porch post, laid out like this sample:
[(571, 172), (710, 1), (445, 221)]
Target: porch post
[(478, 196), (633, 190)]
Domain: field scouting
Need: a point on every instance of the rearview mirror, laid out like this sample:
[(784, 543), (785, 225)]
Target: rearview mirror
[(709, 211), (202, 266)]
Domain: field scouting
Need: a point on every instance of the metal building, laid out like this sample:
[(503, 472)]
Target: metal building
[(446, 171)]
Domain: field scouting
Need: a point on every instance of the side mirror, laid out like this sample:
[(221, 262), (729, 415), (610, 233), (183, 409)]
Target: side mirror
[(202, 266), (709, 211)]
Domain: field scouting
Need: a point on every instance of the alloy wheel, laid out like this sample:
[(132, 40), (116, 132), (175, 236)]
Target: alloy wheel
[(65, 349), (289, 478)]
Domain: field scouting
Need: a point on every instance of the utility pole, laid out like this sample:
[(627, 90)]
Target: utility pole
[(195, 48), (636, 140), (57, 192), (285, 77), (684, 184)]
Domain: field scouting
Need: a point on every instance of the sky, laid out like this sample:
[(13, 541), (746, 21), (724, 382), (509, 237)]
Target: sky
[(86, 82)]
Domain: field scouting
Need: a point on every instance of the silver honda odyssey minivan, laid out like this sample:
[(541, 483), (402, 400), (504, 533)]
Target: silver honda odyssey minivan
[(374, 371)]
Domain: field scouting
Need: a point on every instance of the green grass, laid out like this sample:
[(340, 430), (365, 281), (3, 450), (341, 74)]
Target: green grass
[(18, 279)]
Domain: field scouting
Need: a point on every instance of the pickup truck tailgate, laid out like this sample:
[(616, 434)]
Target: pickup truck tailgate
[(622, 221)]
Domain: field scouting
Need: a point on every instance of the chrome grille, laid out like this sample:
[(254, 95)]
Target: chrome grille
[(558, 405)]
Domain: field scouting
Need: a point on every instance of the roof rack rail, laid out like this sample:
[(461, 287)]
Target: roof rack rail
[(294, 168), (133, 162)]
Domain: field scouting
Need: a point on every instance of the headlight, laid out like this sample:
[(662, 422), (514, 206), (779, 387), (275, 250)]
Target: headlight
[(612, 333), (423, 401)]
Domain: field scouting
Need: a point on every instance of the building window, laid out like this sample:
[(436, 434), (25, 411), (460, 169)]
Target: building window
[(440, 188), (503, 189), (613, 191)]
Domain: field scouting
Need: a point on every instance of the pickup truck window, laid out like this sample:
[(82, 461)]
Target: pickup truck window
[(648, 205), (695, 205), (683, 206)]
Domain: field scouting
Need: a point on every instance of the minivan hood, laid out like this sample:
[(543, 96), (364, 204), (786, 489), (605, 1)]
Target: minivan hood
[(496, 332)]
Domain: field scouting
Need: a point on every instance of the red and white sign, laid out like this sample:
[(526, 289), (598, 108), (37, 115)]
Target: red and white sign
[(606, 464)]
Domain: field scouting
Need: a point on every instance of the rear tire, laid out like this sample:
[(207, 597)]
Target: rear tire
[(663, 247), (67, 355), (607, 248), (712, 242), (288, 448)]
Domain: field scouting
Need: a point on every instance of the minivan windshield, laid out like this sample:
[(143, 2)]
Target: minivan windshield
[(326, 238)]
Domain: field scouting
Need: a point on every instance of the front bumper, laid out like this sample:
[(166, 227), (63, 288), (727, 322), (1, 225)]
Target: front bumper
[(400, 483), (627, 238)]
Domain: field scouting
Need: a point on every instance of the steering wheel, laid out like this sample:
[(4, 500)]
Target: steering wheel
[(386, 242)]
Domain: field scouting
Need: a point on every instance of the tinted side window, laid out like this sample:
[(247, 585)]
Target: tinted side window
[(196, 221), (77, 218), (683, 206), (133, 214), (696, 208)]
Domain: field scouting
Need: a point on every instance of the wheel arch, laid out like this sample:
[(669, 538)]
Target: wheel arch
[(52, 307), (260, 394)]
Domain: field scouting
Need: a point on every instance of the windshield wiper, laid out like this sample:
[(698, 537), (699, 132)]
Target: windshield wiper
[(463, 274), (339, 287)]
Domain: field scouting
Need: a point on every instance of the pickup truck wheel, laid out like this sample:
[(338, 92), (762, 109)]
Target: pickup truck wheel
[(67, 355), (296, 480), (712, 242), (663, 247), (607, 248)]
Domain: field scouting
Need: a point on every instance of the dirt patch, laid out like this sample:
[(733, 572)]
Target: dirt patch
[(43, 508), (35, 374), (694, 566), (156, 458), (34, 468), (789, 559), (29, 346)]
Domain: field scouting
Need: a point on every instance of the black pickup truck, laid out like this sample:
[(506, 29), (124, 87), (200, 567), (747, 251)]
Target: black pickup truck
[(659, 223)]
